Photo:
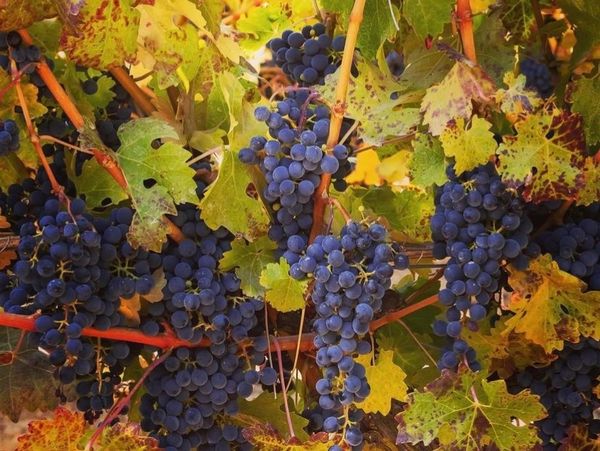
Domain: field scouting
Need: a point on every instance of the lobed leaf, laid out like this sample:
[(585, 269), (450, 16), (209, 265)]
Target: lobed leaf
[(284, 293)]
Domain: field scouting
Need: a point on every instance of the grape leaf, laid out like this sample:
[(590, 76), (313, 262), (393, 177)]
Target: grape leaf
[(376, 27), (465, 411), (378, 376), (453, 97), (284, 293), (365, 170), (585, 103), (9, 99), (471, 147), (517, 16), (46, 35), (165, 167), (415, 347), (12, 170), (407, 211), (96, 185), (428, 17), (69, 431), (495, 54), (249, 260), (27, 381), (517, 99), (226, 202), (585, 16), (268, 409), (16, 14), (396, 167), (590, 190), (87, 104), (428, 165), (169, 45), (550, 306), (578, 438), (267, 438), (546, 156), (369, 102), (103, 34), (7, 254), (424, 66)]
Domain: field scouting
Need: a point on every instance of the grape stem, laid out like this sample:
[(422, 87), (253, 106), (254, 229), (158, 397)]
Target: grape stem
[(33, 137), (465, 26), (119, 406), (556, 218), (288, 416), (54, 140), (337, 113)]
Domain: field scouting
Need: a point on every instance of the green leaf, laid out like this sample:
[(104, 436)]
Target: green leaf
[(378, 375), (428, 165), (369, 102), (9, 100), (103, 35), (428, 17), (97, 185), (284, 293), (46, 34), (15, 14), (268, 409), (226, 202), (453, 97), (494, 53), (26, 381), (469, 413), (415, 347), (406, 211), (545, 156), (249, 260), (585, 103), (471, 147), (166, 166), (424, 66), (377, 25), (585, 16), (71, 79), (170, 45)]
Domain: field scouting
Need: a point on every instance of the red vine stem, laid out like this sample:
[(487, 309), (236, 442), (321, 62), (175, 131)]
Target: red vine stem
[(288, 416), (396, 315), (465, 27), (129, 84), (337, 113)]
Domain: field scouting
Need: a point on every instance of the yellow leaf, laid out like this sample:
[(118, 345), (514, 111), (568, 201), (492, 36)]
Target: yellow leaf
[(386, 380), (516, 98), (366, 169), (470, 147), (284, 293), (550, 305), (590, 190), (395, 168)]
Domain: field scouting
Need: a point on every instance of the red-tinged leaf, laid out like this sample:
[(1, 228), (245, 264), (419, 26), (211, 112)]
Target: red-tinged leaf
[(104, 33), (15, 14), (578, 439), (546, 156), (266, 438), (590, 190), (63, 431)]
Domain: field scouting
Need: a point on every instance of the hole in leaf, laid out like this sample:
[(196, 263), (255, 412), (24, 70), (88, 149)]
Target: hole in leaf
[(149, 183)]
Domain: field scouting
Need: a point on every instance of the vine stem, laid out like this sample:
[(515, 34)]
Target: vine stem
[(139, 97), (396, 315), (288, 416), (116, 410), (465, 27), (555, 218), (337, 113)]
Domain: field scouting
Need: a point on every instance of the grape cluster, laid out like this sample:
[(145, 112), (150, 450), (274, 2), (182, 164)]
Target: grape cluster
[(293, 162), (567, 389), (307, 56), (9, 137), (187, 396), (479, 224), (575, 247), (26, 56), (538, 76), (351, 274)]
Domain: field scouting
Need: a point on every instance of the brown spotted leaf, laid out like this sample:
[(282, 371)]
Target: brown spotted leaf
[(464, 411), (578, 439), (15, 14), (103, 34), (370, 102), (545, 156), (550, 305), (453, 97), (590, 189)]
